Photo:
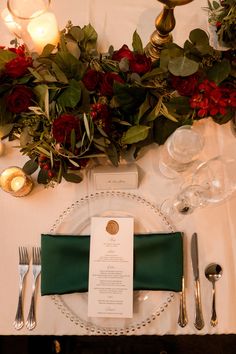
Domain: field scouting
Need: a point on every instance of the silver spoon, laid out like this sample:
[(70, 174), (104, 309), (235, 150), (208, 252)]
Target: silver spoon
[(213, 272)]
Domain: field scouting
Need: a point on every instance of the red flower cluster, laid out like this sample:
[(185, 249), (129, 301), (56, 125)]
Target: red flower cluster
[(102, 82), (19, 99), (62, 127), (18, 66), (138, 63), (100, 115), (210, 99), (184, 85)]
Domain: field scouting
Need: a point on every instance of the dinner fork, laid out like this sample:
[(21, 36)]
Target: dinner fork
[(36, 265), (23, 269)]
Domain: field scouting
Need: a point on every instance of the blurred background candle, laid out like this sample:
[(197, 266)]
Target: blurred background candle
[(43, 30), (38, 24), (13, 180), (12, 26)]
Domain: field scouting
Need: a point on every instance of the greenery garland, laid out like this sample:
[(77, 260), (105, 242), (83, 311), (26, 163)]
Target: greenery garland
[(71, 103)]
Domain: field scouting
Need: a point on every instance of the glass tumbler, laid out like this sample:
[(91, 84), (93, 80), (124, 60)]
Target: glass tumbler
[(180, 151)]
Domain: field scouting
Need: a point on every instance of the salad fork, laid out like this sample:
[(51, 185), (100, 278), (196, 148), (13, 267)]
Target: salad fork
[(36, 264), (23, 269)]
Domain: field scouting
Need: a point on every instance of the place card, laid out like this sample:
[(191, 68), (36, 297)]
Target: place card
[(110, 177), (110, 290)]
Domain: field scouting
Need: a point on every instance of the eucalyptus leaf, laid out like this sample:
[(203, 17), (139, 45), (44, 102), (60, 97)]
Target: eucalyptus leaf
[(135, 134), (5, 130), (77, 33), (42, 176), (30, 167), (219, 71), (73, 49), (72, 177), (70, 97), (182, 66), (47, 50)]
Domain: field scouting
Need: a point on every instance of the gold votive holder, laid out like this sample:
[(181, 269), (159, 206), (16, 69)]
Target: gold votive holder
[(15, 181)]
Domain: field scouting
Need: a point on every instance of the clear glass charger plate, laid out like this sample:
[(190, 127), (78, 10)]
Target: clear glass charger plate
[(75, 220)]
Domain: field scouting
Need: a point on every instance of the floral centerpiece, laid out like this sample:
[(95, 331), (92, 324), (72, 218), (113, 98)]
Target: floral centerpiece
[(71, 103)]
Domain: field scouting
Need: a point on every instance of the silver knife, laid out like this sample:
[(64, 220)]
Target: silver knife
[(199, 321)]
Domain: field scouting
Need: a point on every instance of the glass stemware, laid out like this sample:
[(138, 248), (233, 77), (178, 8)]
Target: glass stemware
[(212, 182)]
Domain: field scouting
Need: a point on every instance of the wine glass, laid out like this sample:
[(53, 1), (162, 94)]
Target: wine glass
[(212, 182)]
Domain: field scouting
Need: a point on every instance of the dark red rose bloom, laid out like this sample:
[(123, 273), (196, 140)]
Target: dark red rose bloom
[(91, 79), (19, 99), (100, 114), (184, 85), (20, 51), (141, 64), (123, 52), (106, 88), (18, 66), (62, 127)]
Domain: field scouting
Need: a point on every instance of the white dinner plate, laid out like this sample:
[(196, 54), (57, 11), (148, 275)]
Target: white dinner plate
[(75, 220)]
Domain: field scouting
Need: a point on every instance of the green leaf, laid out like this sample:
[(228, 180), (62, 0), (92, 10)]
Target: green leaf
[(197, 36), (30, 167), (77, 33), (59, 74), (128, 97), (89, 41), (73, 48), (70, 97), (42, 177), (5, 130), (163, 128), (41, 91), (135, 134), (137, 43), (155, 112), (219, 71), (5, 57), (112, 154), (72, 177), (72, 139), (182, 66), (47, 50)]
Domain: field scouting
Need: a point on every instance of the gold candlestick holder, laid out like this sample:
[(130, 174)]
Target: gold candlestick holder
[(165, 23)]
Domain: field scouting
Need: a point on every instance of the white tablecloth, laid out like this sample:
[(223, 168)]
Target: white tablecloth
[(24, 219)]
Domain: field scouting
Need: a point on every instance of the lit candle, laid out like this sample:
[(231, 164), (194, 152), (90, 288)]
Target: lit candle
[(17, 183), (12, 26), (43, 30), (13, 180)]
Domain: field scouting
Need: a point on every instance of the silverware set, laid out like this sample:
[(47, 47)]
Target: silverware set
[(24, 265), (213, 272)]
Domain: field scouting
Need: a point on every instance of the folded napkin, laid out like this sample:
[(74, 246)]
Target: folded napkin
[(158, 262)]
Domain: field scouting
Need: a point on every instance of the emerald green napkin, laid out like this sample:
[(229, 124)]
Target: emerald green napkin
[(158, 262)]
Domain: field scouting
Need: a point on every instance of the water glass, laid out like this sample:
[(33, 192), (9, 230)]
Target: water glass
[(180, 151)]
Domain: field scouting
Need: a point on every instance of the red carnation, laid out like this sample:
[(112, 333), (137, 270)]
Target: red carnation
[(101, 116), (106, 88), (63, 126), (19, 99)]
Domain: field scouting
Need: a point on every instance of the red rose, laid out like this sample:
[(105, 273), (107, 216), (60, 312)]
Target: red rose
[(140, 64), (19, 99), (18, 66), (62, 127), (91, 79), (123, 52), (184, 85), (106, 88)]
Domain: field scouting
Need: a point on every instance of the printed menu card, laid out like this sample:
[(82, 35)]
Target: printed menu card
[(110, 291)]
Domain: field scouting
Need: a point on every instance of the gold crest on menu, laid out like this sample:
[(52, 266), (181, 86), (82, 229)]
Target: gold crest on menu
[(112, 227)]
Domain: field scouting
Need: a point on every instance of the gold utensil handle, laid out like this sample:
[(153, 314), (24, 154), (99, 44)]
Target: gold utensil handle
[(183, 319), (199, 321)]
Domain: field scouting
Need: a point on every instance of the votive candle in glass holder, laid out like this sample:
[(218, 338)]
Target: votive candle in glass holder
[(38, 23), (15, 181)]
